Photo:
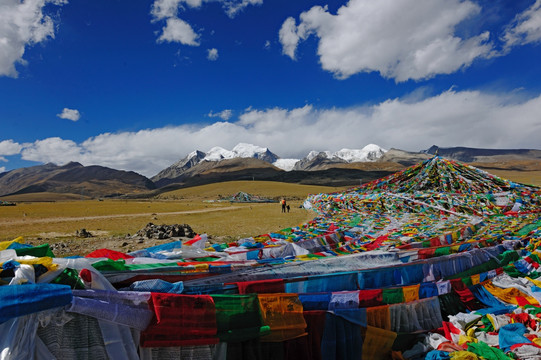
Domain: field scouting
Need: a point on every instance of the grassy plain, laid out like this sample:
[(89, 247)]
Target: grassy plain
[(521, 171), (525, 177), (52, 220)]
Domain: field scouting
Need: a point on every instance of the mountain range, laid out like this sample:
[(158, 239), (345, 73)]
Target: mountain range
[(345, 167), (197, 161)]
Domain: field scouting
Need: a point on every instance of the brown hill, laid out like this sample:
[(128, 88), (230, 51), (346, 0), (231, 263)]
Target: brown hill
[(404, 158), (73, 178), (371, 166), (240, 169), (466, 154), (207, 172)]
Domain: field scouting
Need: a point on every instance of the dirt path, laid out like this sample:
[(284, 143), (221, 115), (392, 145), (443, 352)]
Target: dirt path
[(98, 217)]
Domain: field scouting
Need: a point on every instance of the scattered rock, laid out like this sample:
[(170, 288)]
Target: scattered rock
[(152, 231), (60, 248)]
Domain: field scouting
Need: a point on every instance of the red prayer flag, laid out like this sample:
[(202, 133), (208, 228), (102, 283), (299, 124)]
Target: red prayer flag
[(181, 320), (261, 286), (376, 243), (369, 298), (110, 254)]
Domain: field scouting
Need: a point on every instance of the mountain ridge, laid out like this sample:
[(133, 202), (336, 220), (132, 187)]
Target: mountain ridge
[(466, 154), (313, 161), (73, 177), (253, 163)]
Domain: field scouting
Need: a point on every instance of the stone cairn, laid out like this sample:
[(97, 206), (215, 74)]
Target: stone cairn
[(152, 231)]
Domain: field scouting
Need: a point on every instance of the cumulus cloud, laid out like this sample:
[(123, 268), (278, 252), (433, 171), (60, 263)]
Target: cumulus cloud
[(409, 39), (2, 169), (9, 147), (48, 149), (175, 29), (452, 118), (163, 9), (525, 28), (289, 37), (232, 8), (212, 54), (69, 114), (22, 24), (224, 114), (178, 30)]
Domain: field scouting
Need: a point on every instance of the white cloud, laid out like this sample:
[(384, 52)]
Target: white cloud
[(212, 54), (409, 39), (2, 169), (232, 8), (9, 147), (224, 114), (289, 38), (525, 28), (163, 9), (267, 44), (49, 149), (452, 118), (177, 30), (69, 114), (22, 24), (3, 159)]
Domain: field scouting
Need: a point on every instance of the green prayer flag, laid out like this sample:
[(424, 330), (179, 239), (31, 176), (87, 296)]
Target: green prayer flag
[(393, 296)]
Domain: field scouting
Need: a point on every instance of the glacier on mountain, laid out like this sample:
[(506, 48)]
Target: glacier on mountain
[(370, 152), (285, 164), (241, 150)]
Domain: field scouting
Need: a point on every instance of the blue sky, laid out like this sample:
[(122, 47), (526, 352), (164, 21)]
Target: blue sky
[(137, 85)]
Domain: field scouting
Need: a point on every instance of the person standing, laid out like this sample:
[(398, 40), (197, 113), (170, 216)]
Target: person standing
[(283, 201)]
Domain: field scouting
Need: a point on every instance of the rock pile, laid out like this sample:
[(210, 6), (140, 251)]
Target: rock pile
[(83, 233), (152, 231)]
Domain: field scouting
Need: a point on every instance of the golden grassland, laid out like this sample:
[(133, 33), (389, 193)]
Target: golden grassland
[(521, 171), (524, 177), (268, 189), (55, 216), (44, 197), (48, 220)]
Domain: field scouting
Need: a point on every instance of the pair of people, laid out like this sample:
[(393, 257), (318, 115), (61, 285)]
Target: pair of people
[(285, 205)]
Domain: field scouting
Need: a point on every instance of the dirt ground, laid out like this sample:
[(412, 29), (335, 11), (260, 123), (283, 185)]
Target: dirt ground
[(68, 245), (64, 244), (71, 246)]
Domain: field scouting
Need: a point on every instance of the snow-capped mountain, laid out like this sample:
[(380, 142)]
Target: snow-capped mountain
[(241, 150), (313, 154), (370, 152), (217, 153), (318, 159), (178, 168), (314, 159)]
